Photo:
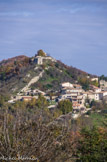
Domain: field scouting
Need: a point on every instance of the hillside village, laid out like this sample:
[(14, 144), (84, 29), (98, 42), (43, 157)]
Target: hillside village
[(53, 81), (50, 108), (80, 98)]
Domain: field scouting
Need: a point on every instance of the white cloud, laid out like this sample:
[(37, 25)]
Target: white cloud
[(25, 14)]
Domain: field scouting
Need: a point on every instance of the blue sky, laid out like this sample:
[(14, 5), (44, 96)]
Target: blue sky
[(73, 31)]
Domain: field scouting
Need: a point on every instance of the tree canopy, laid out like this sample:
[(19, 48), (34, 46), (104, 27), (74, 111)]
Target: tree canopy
[(65, 106), (41, 53)]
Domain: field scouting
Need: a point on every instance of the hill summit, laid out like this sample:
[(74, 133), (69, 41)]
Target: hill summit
[(40, 71)]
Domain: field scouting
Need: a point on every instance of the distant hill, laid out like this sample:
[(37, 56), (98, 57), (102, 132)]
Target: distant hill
[(17, 72), (11, 61)]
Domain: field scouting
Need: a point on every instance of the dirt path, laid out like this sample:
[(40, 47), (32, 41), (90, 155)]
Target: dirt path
[(33, 80)]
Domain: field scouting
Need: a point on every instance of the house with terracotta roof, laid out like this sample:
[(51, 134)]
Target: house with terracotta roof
[(77, 86), (95, 89), (72, 92)]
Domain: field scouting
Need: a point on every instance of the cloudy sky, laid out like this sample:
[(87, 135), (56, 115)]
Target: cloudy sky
[(73, 31)]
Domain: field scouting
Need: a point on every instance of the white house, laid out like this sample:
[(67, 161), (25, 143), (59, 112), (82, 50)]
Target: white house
[(91, 96), (94, 79), (66, 85), (37, 91), (95, 89), (71, 90), (94, 96), (103, 83), (77, 86), (104, 88), (65, 96), (100, 95), (105, 93)]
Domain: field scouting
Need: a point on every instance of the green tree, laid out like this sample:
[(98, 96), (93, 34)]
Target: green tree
[(102, 77), (65, 106), (41, 102), (95, 83), (85, 83), (93, 145), (41, 53)]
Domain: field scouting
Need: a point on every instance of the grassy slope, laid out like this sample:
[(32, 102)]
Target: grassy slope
[(99, 119), (56, 74)]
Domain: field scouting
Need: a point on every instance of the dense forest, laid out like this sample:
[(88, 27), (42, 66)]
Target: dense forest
[(27, 129)]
